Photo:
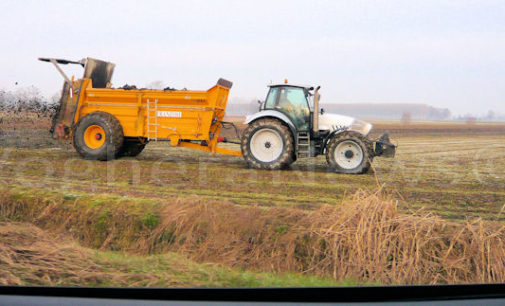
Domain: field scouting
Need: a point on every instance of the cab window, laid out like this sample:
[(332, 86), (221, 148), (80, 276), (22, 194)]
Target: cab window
[(293, 102), (272, 98)]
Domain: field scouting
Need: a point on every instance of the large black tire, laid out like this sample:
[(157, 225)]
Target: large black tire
[(354, 140), (113, 136), (131, 148), (284, 159)]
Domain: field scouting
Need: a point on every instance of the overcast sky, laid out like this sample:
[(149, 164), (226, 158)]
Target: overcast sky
[(443, 53)]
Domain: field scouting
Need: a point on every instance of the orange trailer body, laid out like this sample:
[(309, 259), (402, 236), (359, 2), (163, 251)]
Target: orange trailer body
[(161, 115), (186, 118)]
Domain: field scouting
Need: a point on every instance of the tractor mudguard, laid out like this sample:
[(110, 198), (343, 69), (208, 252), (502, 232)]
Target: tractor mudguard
[(272, 114)]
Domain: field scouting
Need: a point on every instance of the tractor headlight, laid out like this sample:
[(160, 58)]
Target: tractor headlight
[(361, 127)]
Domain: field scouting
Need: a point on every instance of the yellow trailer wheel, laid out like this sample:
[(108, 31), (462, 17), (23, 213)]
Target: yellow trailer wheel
[(94, 136), (98, 136)]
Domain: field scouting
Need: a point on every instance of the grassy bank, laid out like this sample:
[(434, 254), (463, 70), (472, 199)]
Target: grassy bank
[(364, 238), (31, 256)]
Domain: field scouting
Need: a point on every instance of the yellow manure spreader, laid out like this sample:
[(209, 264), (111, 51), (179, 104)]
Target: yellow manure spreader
[(105, 123)]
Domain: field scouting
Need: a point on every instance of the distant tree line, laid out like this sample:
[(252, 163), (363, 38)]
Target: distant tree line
[(28, 99), (31, 99), (491, 115)]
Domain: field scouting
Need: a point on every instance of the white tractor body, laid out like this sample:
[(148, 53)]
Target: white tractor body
[(332, 122)]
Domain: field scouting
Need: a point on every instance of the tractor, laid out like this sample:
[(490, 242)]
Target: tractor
[(290, 125)]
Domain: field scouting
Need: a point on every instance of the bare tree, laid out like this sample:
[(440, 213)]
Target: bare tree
[(491, 115), (27, 99), (406, 118), (470, 119)]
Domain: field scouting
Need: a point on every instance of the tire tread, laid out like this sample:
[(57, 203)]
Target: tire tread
[(362, 140), (113, 142), (286, 157)]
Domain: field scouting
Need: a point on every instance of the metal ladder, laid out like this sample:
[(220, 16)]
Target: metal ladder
[(152, 119), (303, 144)]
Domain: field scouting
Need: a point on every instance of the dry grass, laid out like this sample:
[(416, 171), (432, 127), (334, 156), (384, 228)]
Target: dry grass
[(365, 239), (30, 256)]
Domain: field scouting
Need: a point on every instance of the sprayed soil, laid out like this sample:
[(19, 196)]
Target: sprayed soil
[(27, 130)]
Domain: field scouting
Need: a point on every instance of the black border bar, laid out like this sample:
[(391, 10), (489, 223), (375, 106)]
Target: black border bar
[(320, 294)]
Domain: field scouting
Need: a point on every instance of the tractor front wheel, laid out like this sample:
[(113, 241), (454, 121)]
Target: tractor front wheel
[(267, 144), (349, 152), (98, 136)]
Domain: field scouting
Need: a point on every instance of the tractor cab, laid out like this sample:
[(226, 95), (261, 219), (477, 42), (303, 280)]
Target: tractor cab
[(293, 101)]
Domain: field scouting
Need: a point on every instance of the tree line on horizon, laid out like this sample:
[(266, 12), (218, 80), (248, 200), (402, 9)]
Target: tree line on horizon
[(30, 98)]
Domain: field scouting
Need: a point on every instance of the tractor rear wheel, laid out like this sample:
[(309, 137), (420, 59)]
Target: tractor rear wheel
[(267, 144), (349, 152), (131, 148), (98, 136)]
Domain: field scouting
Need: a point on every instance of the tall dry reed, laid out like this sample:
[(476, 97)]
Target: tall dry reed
[(365, 239)]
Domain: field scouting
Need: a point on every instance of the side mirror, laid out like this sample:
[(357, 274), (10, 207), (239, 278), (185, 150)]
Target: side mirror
[(322, 111), (260, 104)]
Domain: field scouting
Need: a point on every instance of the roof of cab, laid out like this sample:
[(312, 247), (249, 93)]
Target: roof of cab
[(292, 85)]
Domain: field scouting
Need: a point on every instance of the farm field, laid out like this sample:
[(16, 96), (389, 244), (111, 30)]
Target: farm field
[(135, 210)]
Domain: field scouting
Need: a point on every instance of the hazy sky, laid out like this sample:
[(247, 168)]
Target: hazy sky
[(444, 53)]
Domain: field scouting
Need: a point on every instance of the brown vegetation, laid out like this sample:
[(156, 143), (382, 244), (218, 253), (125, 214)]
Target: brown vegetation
[(28, 255), (365, 238), (32, 256)]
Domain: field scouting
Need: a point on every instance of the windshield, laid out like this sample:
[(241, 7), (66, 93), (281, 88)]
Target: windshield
[(152, 166), (292, 101)]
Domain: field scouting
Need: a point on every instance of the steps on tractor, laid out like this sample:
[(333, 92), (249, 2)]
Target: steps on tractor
[(152, 119), (303, 144)]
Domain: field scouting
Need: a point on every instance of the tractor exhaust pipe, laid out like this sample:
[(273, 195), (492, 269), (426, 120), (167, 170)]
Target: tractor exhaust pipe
[(315, 119)]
